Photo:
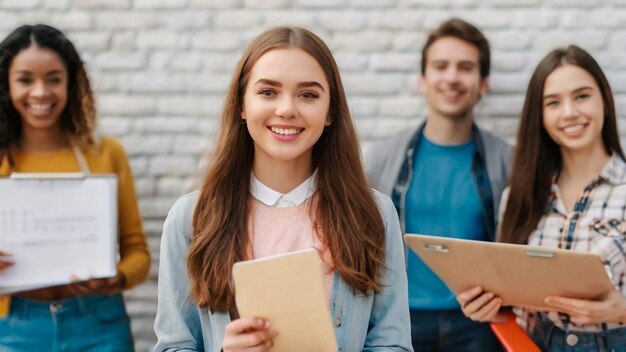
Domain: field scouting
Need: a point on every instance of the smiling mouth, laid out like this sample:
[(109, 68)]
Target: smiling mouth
[(286, 131), (452, 94), (574, 128), (39, 107)]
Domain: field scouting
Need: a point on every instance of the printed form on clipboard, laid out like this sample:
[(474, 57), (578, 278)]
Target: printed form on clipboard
[(287, 290), (57, 226)]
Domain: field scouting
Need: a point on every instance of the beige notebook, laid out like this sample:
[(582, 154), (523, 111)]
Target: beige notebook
[(288, 291), (520, 275)]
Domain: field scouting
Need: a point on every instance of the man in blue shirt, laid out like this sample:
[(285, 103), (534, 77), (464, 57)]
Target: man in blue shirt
[(445, 178)]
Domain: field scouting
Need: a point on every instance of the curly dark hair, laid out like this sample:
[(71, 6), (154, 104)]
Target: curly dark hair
[(79, 116)]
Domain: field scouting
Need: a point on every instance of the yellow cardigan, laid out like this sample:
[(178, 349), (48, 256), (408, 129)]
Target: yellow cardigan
[(107, 157)]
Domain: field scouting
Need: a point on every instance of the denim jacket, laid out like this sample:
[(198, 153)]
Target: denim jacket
[(374, 322)]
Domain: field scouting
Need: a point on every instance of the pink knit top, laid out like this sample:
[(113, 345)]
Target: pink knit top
[(276, 230)]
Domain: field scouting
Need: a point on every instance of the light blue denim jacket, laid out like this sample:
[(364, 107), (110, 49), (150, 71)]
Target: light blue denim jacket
[(375, 322)]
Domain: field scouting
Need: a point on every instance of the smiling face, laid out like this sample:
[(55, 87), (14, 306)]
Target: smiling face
[(451, 82), (573, 109), (38, 83), (286, 105)]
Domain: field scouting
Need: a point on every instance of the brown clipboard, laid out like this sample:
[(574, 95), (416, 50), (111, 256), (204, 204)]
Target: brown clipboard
[(520, 275), (288, 291)]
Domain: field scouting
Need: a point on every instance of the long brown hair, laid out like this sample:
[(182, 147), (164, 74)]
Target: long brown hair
[(537, 157), (78, 119), (347, 214)]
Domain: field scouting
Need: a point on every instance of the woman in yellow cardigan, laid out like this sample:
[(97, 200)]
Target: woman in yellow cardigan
[(47, 118)]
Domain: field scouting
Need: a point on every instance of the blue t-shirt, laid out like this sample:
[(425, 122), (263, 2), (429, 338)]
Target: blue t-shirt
[(442, 200)]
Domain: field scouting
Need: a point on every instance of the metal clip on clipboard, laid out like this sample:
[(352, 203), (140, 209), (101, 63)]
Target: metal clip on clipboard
[(436, 248), (48, 175), (540, 254)]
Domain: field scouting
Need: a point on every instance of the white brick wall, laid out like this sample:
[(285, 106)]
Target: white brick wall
[(160, 69)]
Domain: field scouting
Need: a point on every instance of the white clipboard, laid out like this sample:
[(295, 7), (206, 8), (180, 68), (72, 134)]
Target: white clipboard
[(57, 225)]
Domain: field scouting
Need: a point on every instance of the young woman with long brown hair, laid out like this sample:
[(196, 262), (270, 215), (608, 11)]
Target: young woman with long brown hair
[(286, 175), (47, 121), (567, 190)]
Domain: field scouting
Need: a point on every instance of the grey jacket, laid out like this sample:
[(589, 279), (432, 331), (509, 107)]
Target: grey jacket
[(389, 167)]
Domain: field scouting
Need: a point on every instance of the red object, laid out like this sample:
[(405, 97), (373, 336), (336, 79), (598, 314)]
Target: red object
[(512, 337)]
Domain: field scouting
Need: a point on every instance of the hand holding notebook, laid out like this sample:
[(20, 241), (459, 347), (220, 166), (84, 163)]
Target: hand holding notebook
[(287, 290)]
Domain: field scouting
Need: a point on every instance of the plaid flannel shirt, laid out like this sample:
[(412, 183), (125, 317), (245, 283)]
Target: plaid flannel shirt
[(597, 224)]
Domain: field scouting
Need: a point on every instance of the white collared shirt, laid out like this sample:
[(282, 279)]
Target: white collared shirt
[(272, 198)]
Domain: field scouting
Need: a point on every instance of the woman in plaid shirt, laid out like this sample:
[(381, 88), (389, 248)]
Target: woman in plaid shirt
[(575, 199)]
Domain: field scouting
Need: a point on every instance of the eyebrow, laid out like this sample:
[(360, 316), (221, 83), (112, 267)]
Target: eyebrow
[(574, 91), (462, 62), (53, 72), (273, 83)]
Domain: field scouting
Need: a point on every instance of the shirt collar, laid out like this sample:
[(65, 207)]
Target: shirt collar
[(615, 170), (272, 198)]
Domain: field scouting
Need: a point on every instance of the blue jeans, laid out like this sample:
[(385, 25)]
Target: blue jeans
[(88, 323), (551, 338), (450, 330)]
